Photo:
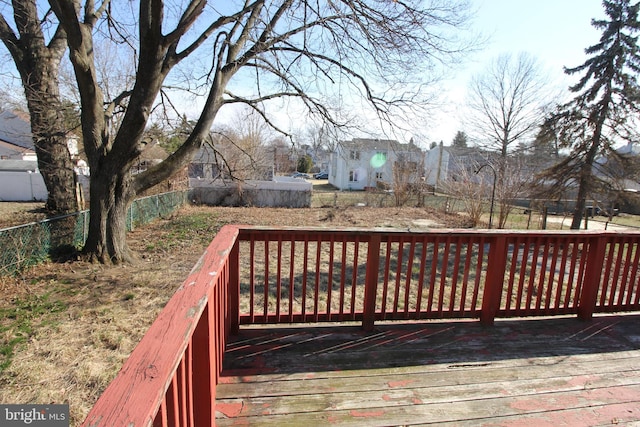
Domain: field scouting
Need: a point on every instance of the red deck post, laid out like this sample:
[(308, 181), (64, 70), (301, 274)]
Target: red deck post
[(371, 282), (494, 280), (592, 277)]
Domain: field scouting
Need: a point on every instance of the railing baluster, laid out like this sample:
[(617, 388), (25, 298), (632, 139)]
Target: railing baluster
[(330, 275), (407, 285), (465, 278), (454, 276), (252, 277), (189, 379), (292, 284), (542, 284), (305, 274), (398, 277), (564, 245), (443, 275), (610, 249), (316, 309), (354, 278), (234, 289), (616, 287), (343, 272), (279, 278), (433, 275), (385, 279), (634, 271), (423, 263), (512, 273), (478, 281)]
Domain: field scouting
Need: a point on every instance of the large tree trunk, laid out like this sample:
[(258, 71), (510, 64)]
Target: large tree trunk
[(38, 62), (111, 196), (54, 158), (584, 184), (581, 202)]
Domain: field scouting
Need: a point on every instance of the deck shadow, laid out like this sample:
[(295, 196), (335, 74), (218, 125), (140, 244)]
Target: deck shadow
[(335, 347)]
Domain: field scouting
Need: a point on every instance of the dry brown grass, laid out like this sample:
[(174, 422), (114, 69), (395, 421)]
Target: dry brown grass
[(18, 213), (76, 322)]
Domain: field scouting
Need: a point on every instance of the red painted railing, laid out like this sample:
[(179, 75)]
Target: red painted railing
[(256, 275)]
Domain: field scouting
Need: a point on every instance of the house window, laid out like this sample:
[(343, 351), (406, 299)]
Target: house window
[(353, 176), (354, 155)]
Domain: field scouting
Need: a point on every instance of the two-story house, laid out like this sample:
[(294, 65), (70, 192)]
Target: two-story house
[(364, 163)]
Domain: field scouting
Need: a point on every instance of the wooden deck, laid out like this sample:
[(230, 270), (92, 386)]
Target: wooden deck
[(551, 371)]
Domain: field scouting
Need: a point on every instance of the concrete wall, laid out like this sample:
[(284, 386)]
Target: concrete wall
[(285, 192), (22, 186)]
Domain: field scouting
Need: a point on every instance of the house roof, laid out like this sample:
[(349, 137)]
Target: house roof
[(155, 152), (15, 148), (380, 144), (630, 148), (18, 165), (15, 129)]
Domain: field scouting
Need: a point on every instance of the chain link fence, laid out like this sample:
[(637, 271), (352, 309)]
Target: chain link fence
[(26, 245)]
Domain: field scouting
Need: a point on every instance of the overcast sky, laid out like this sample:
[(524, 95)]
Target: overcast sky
[(556, 32)]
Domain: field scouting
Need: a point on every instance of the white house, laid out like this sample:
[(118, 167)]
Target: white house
[(20, 179), (15, 137), (444, 163), (362, 162), (16, 141)]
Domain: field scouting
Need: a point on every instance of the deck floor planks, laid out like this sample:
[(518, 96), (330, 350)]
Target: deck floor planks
[(519, 372)]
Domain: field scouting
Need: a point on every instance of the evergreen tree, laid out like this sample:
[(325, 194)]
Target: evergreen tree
[(602, 110), (460, 140), (305, 163), (544, 148)]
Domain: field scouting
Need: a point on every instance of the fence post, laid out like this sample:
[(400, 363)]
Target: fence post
[(371, 282), (592, 277), (494, 279), (234, 287)]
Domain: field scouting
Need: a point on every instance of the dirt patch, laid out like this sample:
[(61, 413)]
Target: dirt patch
[(66, 329)]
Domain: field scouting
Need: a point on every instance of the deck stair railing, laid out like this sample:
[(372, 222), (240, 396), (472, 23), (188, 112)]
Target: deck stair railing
[(251, 275)]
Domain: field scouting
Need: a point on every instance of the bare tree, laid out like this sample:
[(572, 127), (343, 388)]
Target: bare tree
[(241, 148), (507, 101), (515, 182), (37, 46), (470, 188), (288, 47), (407, 180)]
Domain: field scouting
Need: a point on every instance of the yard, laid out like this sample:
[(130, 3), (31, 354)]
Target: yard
[(66, 328)]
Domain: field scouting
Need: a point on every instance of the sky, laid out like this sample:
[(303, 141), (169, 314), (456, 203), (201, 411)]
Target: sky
[(555, 32)]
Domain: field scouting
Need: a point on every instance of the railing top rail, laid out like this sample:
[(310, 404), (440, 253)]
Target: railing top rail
[(248, 230)]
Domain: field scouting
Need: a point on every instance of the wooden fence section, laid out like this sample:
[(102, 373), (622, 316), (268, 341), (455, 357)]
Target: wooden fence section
[(254, 275), (354, 275)]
